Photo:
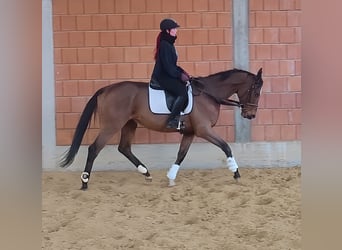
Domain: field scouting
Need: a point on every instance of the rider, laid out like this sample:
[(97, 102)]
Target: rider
[(166, 71)]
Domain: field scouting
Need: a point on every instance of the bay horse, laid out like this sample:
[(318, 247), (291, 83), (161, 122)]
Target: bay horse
[(121, 106)]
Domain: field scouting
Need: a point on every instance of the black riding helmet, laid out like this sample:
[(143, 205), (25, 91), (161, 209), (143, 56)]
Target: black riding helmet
[(168, 24)]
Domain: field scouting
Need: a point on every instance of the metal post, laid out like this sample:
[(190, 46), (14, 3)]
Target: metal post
[(48, 88), (241, 60)]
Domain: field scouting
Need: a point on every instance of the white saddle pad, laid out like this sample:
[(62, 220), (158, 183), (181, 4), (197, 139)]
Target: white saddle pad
[(157, 101)]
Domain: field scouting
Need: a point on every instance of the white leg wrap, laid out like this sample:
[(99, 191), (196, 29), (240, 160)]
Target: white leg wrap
[(85, 177), (172, 173), (142, 169), (172, 183), (231, 164)]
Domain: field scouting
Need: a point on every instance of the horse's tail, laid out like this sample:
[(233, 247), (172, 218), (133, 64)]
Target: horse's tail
[(81, 128)]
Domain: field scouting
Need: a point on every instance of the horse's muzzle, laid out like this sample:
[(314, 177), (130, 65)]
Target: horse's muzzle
[(249, 110), (247, 115)]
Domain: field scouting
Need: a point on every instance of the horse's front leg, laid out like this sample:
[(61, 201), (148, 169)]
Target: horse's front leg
[(183, 150), (210, 136)]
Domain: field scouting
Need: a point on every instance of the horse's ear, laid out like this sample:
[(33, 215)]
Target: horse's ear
[(259, 73)]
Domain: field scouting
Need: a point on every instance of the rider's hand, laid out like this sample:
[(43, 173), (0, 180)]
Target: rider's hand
[(185, 77)]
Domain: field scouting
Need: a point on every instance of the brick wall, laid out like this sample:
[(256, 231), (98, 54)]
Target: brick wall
[(99, 42), (275, 45)]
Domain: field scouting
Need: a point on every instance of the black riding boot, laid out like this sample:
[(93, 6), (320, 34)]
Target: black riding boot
[(172, 121)]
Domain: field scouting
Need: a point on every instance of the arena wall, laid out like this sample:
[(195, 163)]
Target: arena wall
[(99, 42)]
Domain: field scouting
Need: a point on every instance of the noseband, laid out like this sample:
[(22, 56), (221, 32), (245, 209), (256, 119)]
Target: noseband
[(249, 98), (250, 92)]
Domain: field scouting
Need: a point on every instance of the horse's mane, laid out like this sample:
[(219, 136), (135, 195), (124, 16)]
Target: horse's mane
[(226, 74), (223, 75)]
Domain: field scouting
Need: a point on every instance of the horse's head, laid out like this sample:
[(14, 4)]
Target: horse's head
[(249, 94), (220, 86)]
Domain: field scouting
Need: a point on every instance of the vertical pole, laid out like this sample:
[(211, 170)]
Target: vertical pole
[(48, 88), (241, 60)]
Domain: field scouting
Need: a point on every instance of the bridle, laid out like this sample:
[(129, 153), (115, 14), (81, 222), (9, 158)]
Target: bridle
[(250, 92), (228, 102)]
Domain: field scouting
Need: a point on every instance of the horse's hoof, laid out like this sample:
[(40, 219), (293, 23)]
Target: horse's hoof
[(172, 183), (148, 178), (84, 186), (237, 175)]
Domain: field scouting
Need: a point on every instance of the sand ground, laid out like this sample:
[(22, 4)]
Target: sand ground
[(206, 210)]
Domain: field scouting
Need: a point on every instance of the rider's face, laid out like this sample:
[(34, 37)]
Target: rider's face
[(173, 32)]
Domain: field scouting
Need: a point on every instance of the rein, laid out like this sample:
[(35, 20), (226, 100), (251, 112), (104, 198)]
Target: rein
[(227, 102)]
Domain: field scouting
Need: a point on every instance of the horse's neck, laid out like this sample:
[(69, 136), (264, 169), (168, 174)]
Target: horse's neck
[(220, 89)]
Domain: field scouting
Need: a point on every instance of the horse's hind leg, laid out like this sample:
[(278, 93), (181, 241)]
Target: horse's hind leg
[(183, 150), (127, 135), (93, 150)]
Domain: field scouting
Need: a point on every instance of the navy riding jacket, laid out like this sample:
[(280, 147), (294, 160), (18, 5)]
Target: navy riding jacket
[(166, 71)]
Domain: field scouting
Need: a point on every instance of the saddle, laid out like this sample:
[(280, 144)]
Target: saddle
[(161, 101)]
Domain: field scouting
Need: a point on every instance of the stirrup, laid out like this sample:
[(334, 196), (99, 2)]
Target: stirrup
[(181, 125), (174, 123)]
